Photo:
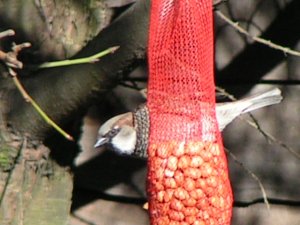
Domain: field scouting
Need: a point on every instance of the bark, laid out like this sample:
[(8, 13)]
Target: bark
[(57, 29), (62, 91), (34, 188)]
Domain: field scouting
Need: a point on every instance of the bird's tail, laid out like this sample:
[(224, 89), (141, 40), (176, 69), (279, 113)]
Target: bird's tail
[(264, 99)]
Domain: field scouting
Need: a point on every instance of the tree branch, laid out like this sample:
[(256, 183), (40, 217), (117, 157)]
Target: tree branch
[(63, 91), (256, 59)]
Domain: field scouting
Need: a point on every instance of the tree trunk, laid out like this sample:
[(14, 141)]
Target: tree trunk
[(35, 189)]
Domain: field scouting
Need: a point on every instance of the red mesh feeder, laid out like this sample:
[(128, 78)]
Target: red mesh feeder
[(188, 179)]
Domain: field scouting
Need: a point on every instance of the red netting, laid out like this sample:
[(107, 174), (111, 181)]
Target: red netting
[(187, 170)]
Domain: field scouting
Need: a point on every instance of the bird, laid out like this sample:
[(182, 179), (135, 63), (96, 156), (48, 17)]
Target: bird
[(127, 134)]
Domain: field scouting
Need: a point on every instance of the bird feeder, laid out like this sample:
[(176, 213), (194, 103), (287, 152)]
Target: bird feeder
[(187, 177)]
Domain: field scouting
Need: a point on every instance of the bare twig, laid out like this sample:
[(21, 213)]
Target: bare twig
[(11, 61), (237, 27), (27, 98), (270, 137), (90, 59), (10, 58), (254, 123), (7, 33), (225, 93), (256, 178)]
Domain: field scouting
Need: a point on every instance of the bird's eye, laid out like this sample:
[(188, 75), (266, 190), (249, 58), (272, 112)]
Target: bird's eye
[(113, 132)]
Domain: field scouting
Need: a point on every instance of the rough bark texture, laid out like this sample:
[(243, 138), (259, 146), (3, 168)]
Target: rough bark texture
[(34, 189), (57, 29), (62, 91)]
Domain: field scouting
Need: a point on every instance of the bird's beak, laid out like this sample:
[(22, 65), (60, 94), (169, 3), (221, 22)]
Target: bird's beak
[(101, 141)]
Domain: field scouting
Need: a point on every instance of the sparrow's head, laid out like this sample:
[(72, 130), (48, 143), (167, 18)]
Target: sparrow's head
[(119, 134)]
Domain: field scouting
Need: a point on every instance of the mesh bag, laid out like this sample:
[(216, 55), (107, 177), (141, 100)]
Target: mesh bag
[(187, 169)]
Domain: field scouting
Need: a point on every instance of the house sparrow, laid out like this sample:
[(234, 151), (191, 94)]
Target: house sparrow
[(128, 133)]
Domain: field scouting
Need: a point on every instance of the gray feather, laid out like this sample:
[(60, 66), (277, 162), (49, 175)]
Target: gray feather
[(227, 112)]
